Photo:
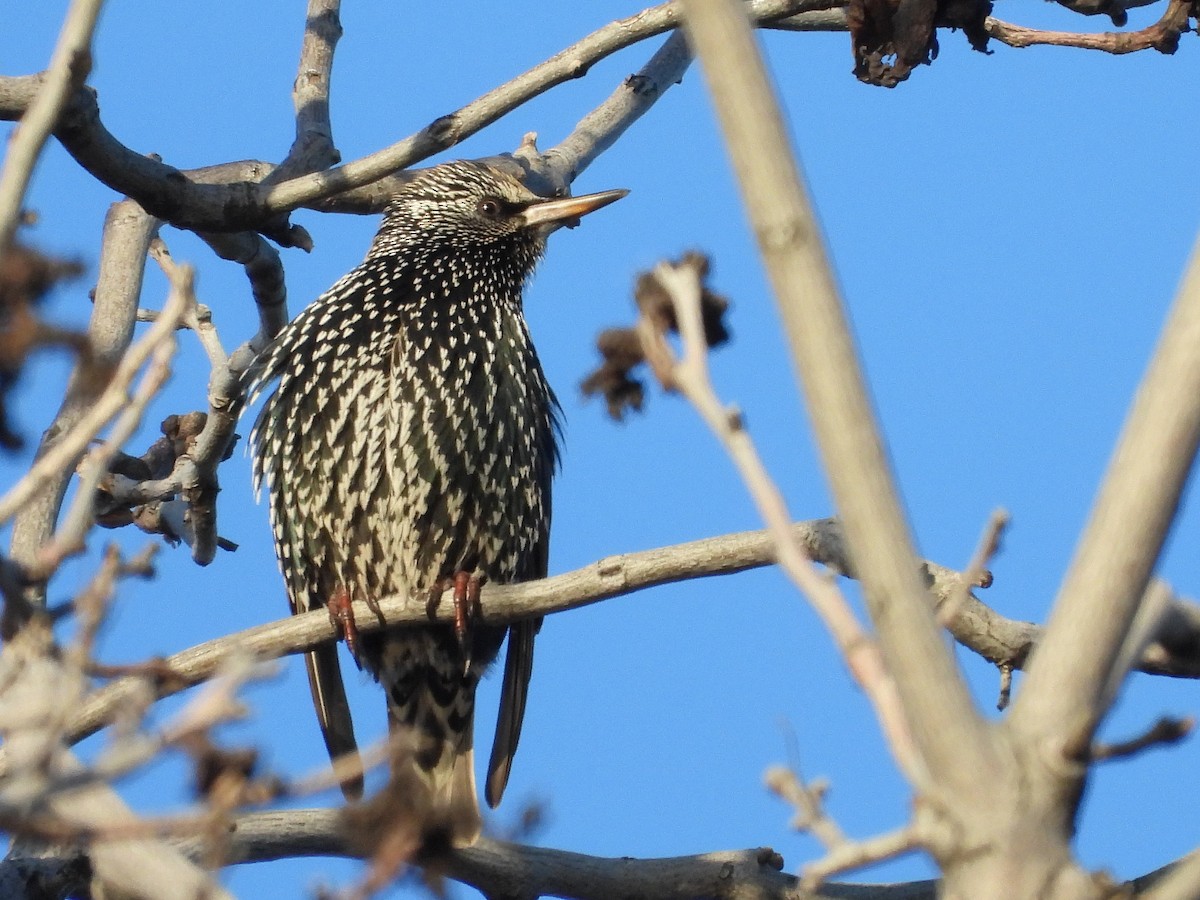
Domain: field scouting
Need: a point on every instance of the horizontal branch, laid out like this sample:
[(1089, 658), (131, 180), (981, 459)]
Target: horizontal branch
[(1162, 36), (1001, 640), (503, 869)]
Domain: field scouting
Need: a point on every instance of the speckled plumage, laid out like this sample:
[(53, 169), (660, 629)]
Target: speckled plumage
[(412, 436)]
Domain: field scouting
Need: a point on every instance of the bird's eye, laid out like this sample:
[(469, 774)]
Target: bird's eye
[(490, 207)]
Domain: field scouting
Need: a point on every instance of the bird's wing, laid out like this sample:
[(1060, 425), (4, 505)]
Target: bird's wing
[(518, 666), (325, 678), (276, 437), (333, 710)]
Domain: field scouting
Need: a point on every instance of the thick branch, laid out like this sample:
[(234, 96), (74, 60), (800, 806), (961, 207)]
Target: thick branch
[(313, 148), (951, 736), (1066, 691), (502, 869)]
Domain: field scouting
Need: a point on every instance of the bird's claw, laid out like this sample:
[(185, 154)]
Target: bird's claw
[(341, 614), (466, 607)]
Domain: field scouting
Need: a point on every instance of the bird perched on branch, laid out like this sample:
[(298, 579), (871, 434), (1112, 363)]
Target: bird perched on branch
[(408, 448)]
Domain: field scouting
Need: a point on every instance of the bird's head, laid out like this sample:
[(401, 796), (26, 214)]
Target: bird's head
[(468, 205)]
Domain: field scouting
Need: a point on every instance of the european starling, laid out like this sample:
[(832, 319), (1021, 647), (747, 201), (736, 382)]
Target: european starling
[(409, 447)]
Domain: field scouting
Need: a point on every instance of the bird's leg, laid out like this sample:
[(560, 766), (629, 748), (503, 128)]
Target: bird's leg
[(466, 605), (462, 605), (341, 614)]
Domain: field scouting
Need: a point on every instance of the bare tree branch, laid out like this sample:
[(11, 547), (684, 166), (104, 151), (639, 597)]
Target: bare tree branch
[(603, 126), (127, 234), (313, 148), (36, 690), (1162, 36), (224, 198), (950, 735), (1180, 882), (1068, 686), (1166, 730), (503, 869), (69, 66), (197, 454), (572, 62), (61, 456), (977, 626), (689, 375)]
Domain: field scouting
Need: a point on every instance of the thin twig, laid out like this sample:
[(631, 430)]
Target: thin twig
[(69, 67), (690, 376), (1162, 36), (62, 454), (344, 768), (195, 317), (808, 799), (856, 854), (131, 751), (1004, 697), (1167, 730), (126, 868), (976, 574), (69, 537), (193, 475)]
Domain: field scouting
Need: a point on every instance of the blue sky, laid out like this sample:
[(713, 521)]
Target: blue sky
[(1008, 229)]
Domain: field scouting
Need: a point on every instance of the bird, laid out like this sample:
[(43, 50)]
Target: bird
[(408, 447)]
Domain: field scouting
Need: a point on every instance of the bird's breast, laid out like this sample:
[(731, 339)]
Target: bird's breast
[(471, 437)]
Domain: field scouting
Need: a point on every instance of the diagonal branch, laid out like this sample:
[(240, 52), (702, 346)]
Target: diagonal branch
[(1181, 881), (69, 66), (1067, 689), (681, 283), (127, 234), (948, 732), (61, 457), (600, 129), (229, 197), (566, 65)]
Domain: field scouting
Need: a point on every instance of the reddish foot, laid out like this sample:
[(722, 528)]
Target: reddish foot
[(466, 605), (341, 613)]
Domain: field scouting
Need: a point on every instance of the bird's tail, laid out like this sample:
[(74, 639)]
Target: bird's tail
[(444, 794), (431, 710)]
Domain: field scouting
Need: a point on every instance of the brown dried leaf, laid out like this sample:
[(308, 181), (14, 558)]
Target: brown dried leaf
[(26, 276), (890, 38), (621, 348)]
